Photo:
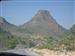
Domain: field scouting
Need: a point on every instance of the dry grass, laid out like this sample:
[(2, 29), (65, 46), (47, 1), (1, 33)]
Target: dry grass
[(46, 52)]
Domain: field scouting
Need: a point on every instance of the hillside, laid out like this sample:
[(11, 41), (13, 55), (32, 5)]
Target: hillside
[(69, 42), (7, 41)]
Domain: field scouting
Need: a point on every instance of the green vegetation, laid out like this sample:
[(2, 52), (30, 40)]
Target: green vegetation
[(7, 41), (47, 43), (11, 43), (68, 43)]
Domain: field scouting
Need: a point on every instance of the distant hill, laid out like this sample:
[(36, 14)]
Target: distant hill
[(5, 25)]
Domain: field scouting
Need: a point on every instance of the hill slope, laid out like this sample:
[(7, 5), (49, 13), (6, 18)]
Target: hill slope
[(6, 40)]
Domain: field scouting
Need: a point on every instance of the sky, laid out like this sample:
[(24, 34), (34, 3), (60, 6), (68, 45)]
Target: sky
[(19, 12)]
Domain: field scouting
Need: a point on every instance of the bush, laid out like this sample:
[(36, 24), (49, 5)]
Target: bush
[(12, 43)]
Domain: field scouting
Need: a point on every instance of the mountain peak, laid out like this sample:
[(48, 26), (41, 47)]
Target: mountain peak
[(43, 12), (43, 16)]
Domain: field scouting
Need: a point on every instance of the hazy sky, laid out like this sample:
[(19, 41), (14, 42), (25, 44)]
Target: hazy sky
[(20, 11)]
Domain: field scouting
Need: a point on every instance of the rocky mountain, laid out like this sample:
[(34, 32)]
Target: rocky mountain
[(41, 24), (44, 24)]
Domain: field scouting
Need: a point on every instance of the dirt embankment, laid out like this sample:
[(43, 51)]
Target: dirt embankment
[(46, 52)]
